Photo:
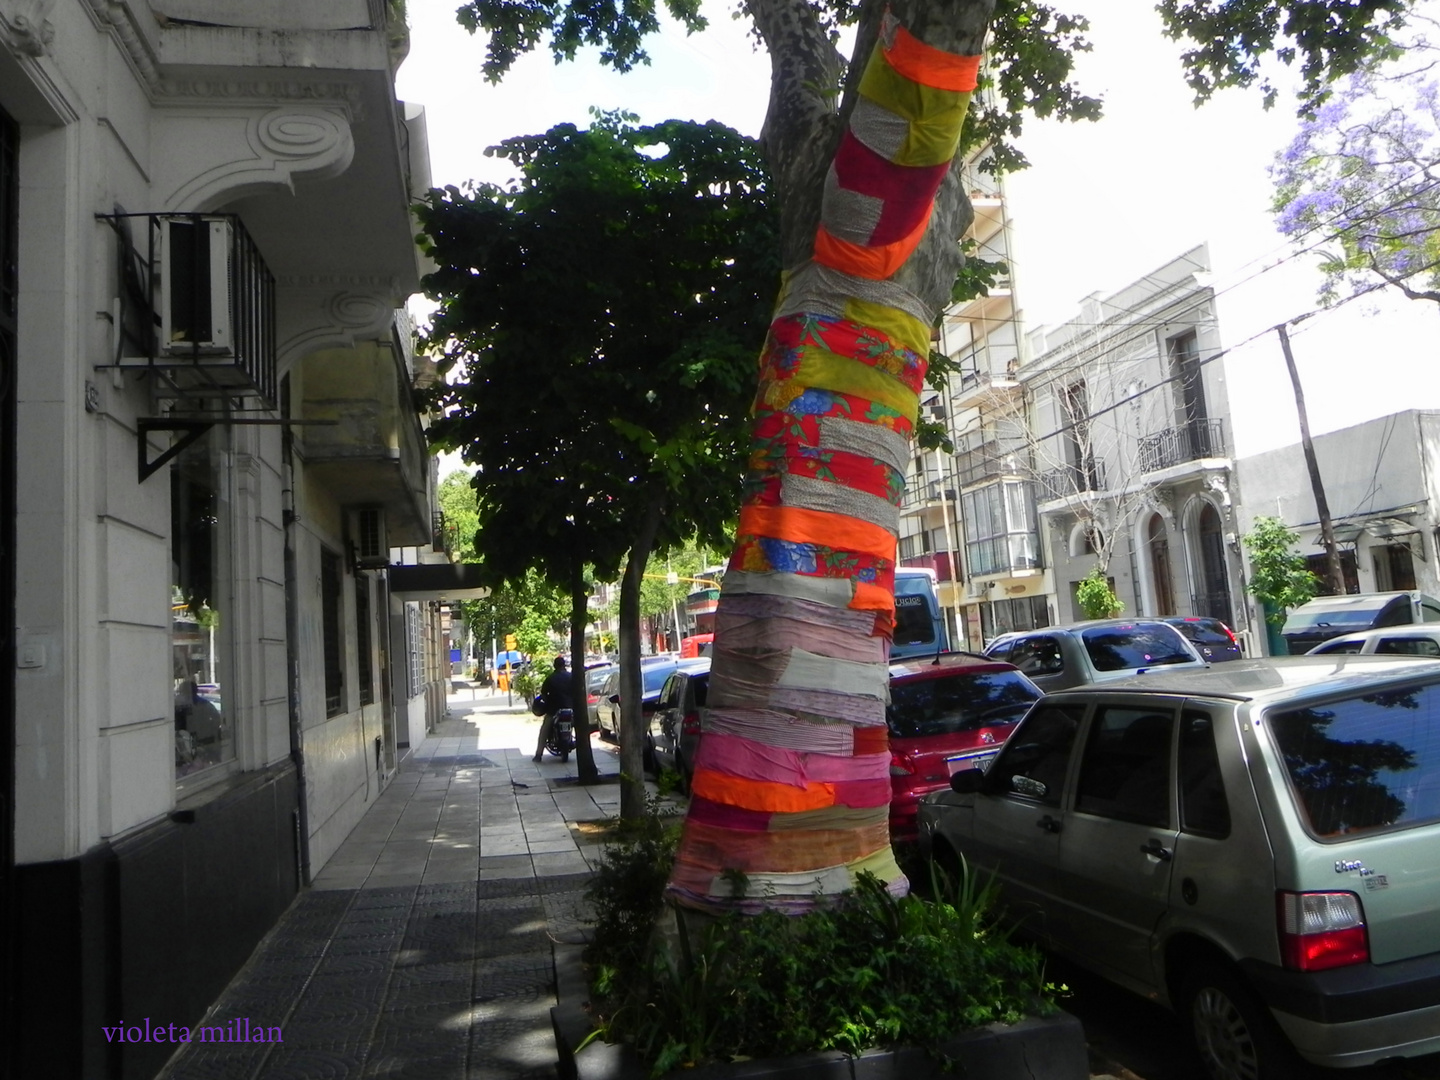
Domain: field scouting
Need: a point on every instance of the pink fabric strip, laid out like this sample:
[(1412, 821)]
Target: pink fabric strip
[(739, 632), (761, 606), (780, 729), (741, 757), (863, 793)]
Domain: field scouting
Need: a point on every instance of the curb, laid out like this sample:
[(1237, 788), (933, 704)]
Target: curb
[(1052, 1048)]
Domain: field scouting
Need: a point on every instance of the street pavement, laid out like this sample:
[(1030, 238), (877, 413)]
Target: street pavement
[(423, 947)]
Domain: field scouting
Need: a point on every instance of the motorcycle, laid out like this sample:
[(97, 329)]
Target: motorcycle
[(562, 735)]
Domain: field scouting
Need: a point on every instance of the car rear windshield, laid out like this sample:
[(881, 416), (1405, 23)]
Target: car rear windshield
[(1337, 621), (1204, 633), (654, 677), (956, 703), (1119, 648), (1363, 763)]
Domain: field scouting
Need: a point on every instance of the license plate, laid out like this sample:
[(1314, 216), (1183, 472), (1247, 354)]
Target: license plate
[(972, 759)]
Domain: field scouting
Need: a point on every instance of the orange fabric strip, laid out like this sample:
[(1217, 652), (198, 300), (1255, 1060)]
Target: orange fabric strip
[(871, 740), (870, 597), (760, 794), (838, 531), (871, 263), (930, 66)]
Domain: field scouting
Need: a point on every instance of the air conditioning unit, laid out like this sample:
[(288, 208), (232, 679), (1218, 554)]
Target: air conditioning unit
[(195, 285), (372, 550)]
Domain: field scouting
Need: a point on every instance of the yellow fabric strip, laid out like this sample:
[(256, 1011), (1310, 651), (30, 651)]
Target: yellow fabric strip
[(825, 370), (935, 116), (905, 330)]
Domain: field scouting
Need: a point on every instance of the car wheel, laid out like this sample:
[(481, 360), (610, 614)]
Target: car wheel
[(949, 871), (1234, 1034)]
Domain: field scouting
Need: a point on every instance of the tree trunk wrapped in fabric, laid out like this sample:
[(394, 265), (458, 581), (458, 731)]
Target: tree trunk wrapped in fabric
[(791, 786)]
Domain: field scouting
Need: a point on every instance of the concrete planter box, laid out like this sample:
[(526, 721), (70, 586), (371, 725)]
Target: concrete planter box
[(1048, 1049)]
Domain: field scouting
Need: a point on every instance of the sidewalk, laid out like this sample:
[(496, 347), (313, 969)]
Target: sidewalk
[(423, 948)]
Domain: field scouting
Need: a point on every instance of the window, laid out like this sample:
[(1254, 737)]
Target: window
[(1034, 760), (363, 637), (1022, 613), (199, 595), (1000, 529), (954, 704), (1125, 773), (1038, 656), (1203, 808), (1408, 646), (1118, 648), (1185, 362), (1362, 763), (332, 635), (1158, 540), (414, 631)]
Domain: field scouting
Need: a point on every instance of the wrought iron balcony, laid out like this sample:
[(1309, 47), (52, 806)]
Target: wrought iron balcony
[(1063, 483), (991, 460), (1174, 446)]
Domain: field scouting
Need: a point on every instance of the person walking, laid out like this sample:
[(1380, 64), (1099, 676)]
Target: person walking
[(555, 692)]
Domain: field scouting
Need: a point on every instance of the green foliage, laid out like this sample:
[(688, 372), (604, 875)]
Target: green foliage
[(1278, 574), (869, 970), (1329, 39), (626, 891), (1096, 598), (603, 316)]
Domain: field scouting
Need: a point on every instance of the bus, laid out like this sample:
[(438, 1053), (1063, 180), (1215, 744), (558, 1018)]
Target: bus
[(919, 618)]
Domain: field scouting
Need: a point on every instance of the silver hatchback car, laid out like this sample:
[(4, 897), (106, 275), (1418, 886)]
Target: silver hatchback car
[(1100, 650), (1256, 845)]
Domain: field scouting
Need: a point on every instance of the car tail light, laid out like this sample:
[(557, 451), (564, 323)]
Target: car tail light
[(901, 765), (1321, 930), (691, 724), (591, 699)]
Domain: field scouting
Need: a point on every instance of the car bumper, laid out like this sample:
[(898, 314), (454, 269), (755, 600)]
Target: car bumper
[(1353, 1016)]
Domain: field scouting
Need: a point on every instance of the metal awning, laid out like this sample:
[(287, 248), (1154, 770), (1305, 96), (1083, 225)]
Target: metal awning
[(437, 581)]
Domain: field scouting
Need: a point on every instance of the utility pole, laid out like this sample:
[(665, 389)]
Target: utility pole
[(1322, 508)]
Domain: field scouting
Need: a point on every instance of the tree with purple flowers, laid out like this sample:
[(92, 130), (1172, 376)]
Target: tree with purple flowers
[(1360, 183)]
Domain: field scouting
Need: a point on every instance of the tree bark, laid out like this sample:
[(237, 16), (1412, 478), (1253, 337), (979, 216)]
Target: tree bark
[(632, 717), (791, 790), (585, 769), (1333, 570)]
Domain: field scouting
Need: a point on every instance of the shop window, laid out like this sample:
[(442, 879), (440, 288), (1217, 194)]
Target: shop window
[(199, 603), (331, 632)]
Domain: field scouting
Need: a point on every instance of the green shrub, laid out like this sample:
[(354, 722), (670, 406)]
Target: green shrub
[(870, 970)]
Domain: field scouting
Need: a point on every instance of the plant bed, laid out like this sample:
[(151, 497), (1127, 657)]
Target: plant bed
[(1036, 1048), (866, 985)]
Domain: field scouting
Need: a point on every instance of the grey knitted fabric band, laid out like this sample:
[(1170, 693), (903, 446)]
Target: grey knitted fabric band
[(867, 440), (812, 494)]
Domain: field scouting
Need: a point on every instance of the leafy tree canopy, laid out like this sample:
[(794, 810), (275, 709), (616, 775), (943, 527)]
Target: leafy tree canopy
[(1359, 180), (601, 318), (1278, 575)]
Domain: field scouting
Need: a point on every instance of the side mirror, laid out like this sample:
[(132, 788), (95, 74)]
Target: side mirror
[(966, 781)]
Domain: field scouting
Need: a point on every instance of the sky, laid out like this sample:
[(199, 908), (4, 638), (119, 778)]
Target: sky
[(1101, 206)]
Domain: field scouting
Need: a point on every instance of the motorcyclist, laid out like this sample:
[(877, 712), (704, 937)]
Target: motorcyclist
[(555, 691)]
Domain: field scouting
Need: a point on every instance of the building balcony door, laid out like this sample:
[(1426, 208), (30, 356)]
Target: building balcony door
[(1161, 574), (1212, 582)]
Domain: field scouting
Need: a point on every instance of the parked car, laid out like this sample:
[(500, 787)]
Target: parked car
[(594, 684), (654, 670), (1410, 640), (1256, 846), (1212, 638), (674, 733), (944, 717), (1326, 617), (1101, 650)]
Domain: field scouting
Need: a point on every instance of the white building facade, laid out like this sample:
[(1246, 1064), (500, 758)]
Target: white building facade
[(208, 447)]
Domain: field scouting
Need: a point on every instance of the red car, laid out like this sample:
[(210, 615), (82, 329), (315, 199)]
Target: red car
[(945, 715)]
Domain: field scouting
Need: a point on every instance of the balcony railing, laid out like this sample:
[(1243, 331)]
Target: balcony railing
[(1071, 480), (1000, 457), (1175, 446)]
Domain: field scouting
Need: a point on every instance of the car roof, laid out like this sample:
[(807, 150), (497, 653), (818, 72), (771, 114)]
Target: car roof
[(1284, 678), (916, 668)]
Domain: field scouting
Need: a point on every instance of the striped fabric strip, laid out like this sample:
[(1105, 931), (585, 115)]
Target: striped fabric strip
[(832, 817), (739, 635), (814, 527), (853, 710), (822, 290), (756, 761), (715, 848), (779, 729), (830, 497), (792, 609)]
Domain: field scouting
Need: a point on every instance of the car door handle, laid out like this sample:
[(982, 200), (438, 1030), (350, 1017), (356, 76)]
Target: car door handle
[(1049, 824), (1157, 850)]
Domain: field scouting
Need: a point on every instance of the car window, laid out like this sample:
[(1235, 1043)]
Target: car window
[(1033, 762), (1408, 646), (1203, 806), (1000, 650), (1203, 634), (670, 693), (1125, 773), (1118, 648), (955, 703), (699, 686), (596, 679), (654, 677), (1038, 656), (612, 685), (1338, 647), (1429, 612), (1366, 762)]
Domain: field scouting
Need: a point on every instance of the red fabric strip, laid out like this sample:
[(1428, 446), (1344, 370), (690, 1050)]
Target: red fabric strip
[(907, 190)]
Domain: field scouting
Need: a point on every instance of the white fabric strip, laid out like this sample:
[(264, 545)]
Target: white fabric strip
[(834, 592), (809, 671)]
